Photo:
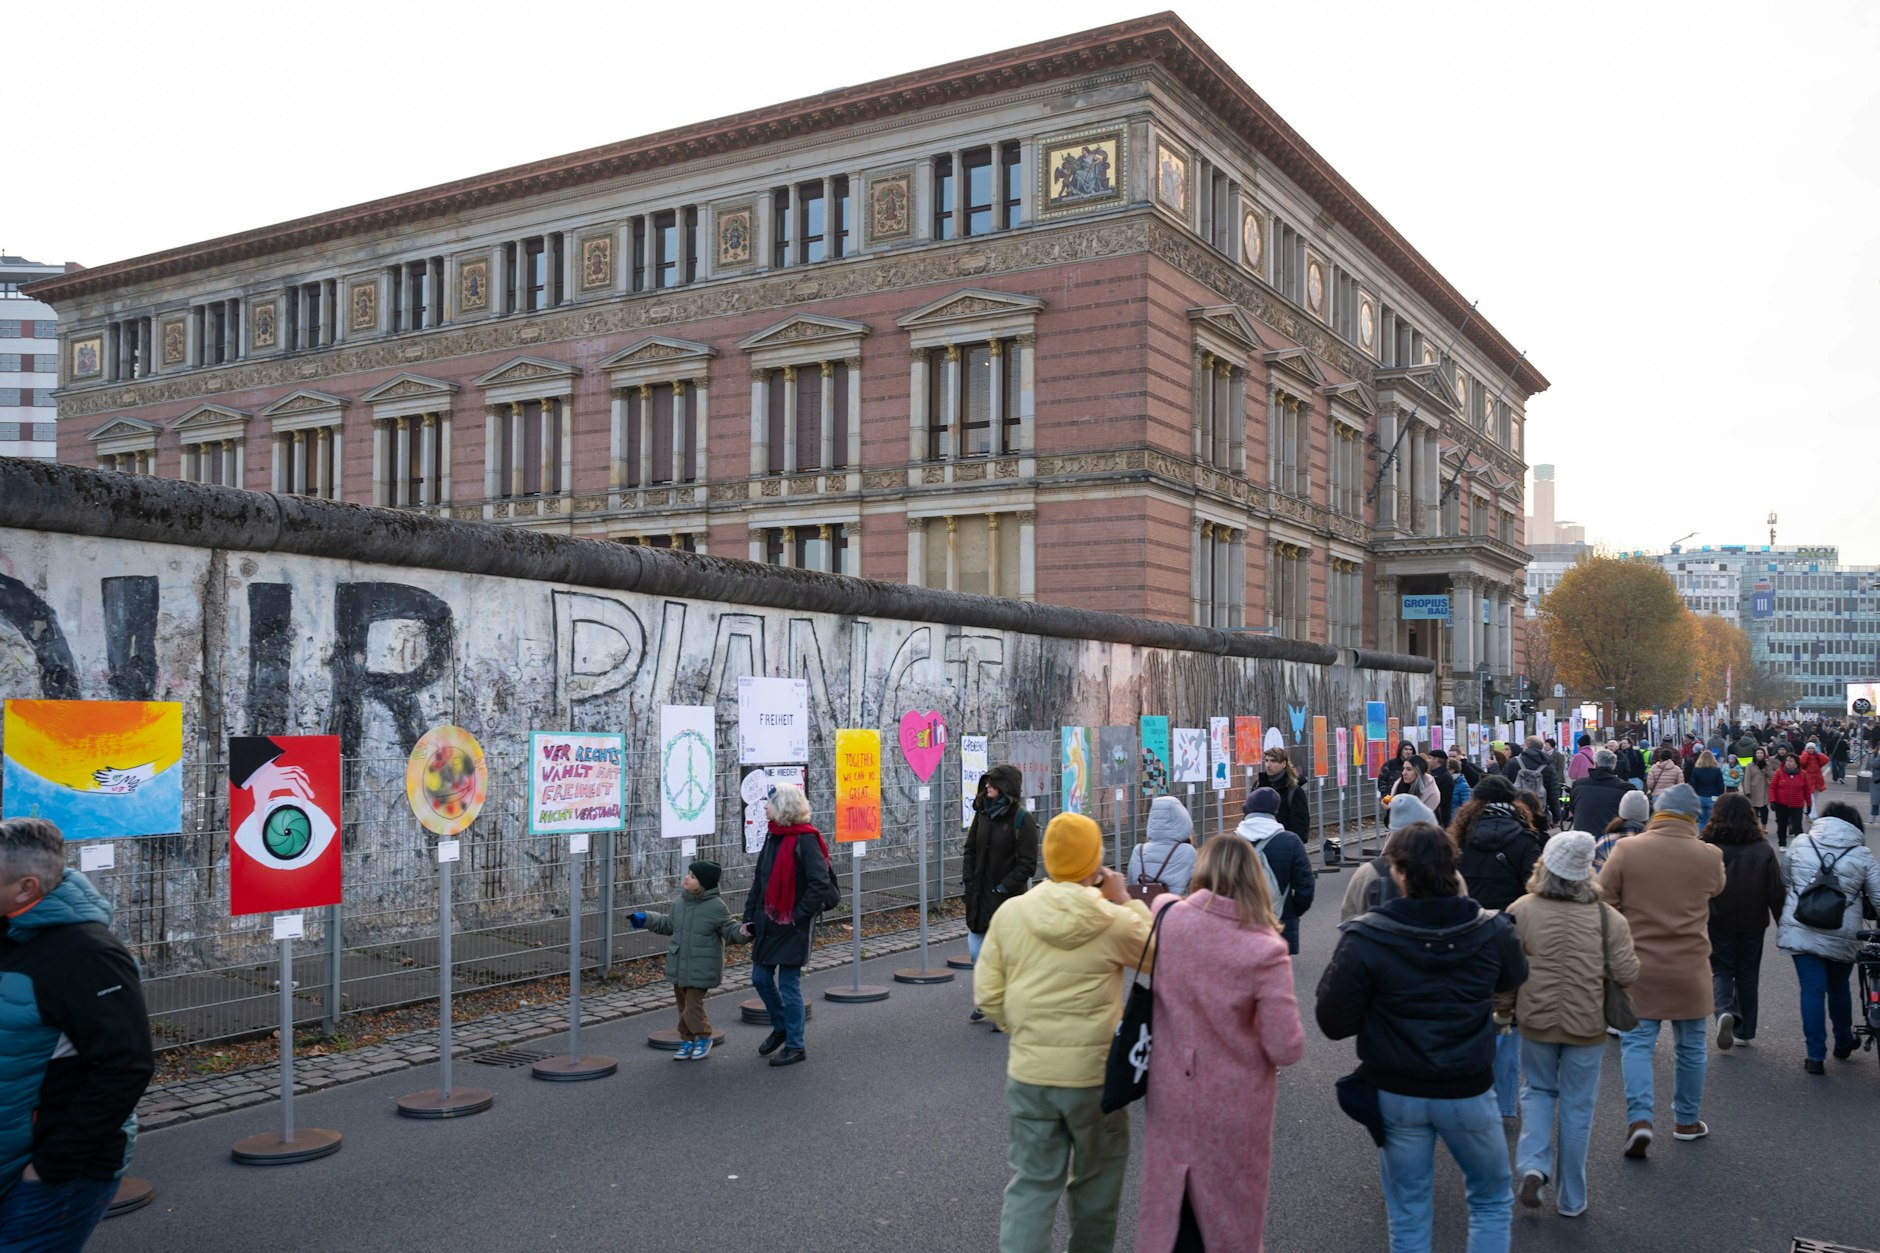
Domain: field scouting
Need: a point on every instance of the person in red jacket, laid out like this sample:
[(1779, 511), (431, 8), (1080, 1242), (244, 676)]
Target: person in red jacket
[(1789, 793), (1814, 761)]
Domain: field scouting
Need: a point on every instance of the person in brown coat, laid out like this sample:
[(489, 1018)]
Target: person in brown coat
[(1662, 880), (1751, 899), (1756, 785)]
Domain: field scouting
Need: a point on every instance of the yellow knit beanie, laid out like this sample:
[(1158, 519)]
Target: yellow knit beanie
[(1073, 848)]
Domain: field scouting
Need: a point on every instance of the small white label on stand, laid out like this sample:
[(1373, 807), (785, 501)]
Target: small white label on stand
[(926, 792), (289, 927), (577, 844), (96, 856), (449, 850), (1191, 789), (688, 848), (860, 847), (1119, 795), (1031, 803), (1249, 772)]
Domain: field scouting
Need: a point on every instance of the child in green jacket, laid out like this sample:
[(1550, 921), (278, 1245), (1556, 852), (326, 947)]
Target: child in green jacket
[(700, 923)]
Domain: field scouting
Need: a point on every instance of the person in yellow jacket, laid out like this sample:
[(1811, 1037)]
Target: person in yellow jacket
[(1050, 975)]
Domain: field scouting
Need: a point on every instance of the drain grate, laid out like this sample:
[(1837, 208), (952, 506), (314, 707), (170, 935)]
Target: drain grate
[(508, 1059), (1803, 1244)]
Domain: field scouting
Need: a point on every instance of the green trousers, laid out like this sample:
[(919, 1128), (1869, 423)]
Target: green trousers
[(1060, 1134)]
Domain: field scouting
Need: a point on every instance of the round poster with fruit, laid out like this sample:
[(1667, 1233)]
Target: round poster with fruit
[(446, 780)]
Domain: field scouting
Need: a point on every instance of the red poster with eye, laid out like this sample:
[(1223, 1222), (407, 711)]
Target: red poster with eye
[(283, 818)]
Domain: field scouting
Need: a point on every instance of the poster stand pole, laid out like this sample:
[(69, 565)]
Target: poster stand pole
[(289, 1146), (94, 859), (857, 993), (923, 975), (574, 1067), (444, 1101)]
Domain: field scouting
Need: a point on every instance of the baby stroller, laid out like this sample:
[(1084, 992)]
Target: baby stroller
[(1867, 1015)]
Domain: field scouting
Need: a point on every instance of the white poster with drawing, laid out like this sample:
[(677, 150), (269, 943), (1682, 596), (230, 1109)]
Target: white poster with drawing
[(1190, 752), (688, 765), (755, 790), (773, 720)]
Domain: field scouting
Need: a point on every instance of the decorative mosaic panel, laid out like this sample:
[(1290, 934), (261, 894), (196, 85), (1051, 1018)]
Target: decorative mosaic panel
[(362, 301), (1082, 171), (473, 286), (891, 206), (175, 337), (736, 228), (87, 357), (263, 326), (1171, 177), (597, 262)]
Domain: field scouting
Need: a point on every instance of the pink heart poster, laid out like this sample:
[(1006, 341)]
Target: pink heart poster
[(923, 742)]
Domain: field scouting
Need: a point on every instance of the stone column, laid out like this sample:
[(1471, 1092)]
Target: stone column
[(297, 474), (1237, 421), (760, 423), (701, 446), (1196, 592), (335, 486), (1027, 554), (1027, 392), (852, 457), (916, 404), (1432, 484), (443, 458), (757, 545), (1389, 640), (788, 560), (827, 453), (790, 463), (1027, 176), (953, 553), (646, 435), (678, 432), (922, 208), (1201, 383), (322, 465), (824, 534), (992, 555), (995, 398), (1222, 587), (564, 408), (278, 446), (427, 460), (1465, 619), (381, 485), (492, 454), (545, 432), (950, 397), (401, 484), (917, 552), (959, 194), (517, 455)]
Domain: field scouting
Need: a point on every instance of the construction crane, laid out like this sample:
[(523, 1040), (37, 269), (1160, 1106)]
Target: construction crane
[(1679, 540), (1772, 530)]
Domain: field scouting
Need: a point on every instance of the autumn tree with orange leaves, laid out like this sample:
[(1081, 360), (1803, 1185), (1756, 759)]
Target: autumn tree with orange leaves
[(1617, 623)]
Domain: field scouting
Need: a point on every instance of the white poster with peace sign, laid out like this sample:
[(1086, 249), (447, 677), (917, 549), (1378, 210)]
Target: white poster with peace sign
[(688, 767)]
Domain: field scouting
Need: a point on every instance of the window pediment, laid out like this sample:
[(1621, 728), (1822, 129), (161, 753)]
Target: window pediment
[(408, 395), (526, 369), (129, 431), (305, 410), (972, 313), (208, 423), (803, 339), (1296, 365), (1416, 387), (658, 359), (1225, 331)]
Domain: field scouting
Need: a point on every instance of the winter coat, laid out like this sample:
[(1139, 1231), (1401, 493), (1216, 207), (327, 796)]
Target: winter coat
[(1535, 759), (1461, 795), (1580, 766), (1563, 1000), (1001, 847), (1790, 787), (1596, 800), (1497, 858), (74, 1040), (1292, 866), (1755, 784), (1752, 889), (1841, 846), (1812, 762), (700, 925), (1415, 981), (1665, 774), (1445, 792), (1392, 770), (1424, 791), (1050, 975), (1707, 781), (788, 944), (1295, 812), (1225, 1022), (1603, 848), (1662, 880), (1631, 764), (1746, 746), (1168, 857)]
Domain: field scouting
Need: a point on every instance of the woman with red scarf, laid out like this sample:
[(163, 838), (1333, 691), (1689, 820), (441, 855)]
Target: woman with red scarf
[(793, 885)]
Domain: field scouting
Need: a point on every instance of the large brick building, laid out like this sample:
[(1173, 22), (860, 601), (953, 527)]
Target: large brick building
[(1084, 322)]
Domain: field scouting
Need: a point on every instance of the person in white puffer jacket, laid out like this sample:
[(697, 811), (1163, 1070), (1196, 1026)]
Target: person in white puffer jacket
[(1824, 959), (1168, 857)]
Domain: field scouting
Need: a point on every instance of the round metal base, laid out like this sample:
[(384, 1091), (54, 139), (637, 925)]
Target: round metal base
[(917, 975), (574, 1069), (753, 1012), (268, 1149), (960, 961), (461, 1103), (132, 1194), (668, 1041), (867, 994)]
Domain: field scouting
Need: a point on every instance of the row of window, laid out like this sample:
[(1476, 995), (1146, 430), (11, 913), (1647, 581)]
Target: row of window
[(29, 363), (18, 329), (42, 431), (27, 397)]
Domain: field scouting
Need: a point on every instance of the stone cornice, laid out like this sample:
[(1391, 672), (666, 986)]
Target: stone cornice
[(1162, 39)]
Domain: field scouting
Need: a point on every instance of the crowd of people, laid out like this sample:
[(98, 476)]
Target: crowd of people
[(1519, 917)]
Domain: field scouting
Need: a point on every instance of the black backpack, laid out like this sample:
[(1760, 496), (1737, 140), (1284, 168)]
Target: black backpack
[(1822, 905)]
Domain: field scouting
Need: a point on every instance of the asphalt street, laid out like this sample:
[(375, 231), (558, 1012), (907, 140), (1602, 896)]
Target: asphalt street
[(892, 1136)]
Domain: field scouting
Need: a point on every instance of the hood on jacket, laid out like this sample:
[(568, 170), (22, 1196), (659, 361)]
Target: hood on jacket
[(1437, 933), (1537, 758), (1067, 915), (73, 901), (1834, 833), (1169, 822), (1257, 826), (1008, 779), (1497, 833)]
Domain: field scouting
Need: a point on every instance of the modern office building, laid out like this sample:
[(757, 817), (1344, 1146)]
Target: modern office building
[(1083, 322), (29, 362)]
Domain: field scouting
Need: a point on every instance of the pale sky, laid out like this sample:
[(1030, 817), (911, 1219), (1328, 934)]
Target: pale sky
[(1671, 206)]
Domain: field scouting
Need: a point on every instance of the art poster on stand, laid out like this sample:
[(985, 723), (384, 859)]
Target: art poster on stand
[(98, 769), (858, 785), (1191, 755), (1321, 748), (1034, 755), (1153, 774), (1344, 756), (773, 720), (1220, 758), (446, 780), (1449, 726), (1247, 736), (1376, 735), (754, 789), (1075, 770), (975, 760), (1117, 748), (577, 782), (284, 819), (688, 768)]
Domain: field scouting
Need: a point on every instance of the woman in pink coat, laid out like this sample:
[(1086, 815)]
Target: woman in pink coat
[(1225, 1022)]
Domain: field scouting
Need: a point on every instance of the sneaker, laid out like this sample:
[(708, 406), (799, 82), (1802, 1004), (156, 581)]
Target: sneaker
[(1571, 1213), (771, 1044), (1841, 1055), (1690, 1130), (1531, 1184), (1726, 1031), (1638, 1140), (1814, 1067), (975, 1017), (790, 1057), (700, 1047), (684, 1053)]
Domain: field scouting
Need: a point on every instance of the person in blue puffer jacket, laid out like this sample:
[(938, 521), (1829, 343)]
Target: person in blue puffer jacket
[(75, 1052)]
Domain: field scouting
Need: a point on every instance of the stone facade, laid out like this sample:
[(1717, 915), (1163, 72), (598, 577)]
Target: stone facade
[(1159, 359)]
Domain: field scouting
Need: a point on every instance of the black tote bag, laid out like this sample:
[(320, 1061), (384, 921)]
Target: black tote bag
[(1126, 1070)]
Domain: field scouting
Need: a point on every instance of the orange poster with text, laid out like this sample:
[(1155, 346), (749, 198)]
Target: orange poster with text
[(1321, 748), (858, 786)]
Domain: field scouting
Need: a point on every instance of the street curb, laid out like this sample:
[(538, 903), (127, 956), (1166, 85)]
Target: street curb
[(190, 1099)]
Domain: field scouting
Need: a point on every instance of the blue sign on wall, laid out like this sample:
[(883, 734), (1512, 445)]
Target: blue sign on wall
[(1425, 608), (1762, 605)]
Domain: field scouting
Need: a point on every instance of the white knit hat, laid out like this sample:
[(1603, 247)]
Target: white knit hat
[(1570, 856)]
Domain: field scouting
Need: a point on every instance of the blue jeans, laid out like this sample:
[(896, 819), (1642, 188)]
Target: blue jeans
[(973, 940), (781, 988), (1508, 1073), (1821, 978), (1562, 1081), (1407, 1166), (39, 1217), (1692, 1045), (1704, 805)]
